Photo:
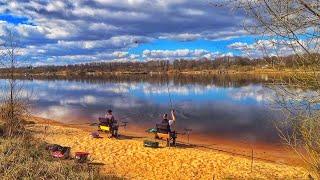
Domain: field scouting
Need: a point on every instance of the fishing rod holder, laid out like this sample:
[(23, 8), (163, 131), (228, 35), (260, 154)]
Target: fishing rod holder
[(124, 124), (187, 131)]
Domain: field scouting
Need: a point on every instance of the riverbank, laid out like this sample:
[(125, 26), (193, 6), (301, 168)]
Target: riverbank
[(127, 157), (219, 71), (26, 157)]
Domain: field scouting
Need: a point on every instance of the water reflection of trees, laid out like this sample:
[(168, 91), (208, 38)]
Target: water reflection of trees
[(230, 80)]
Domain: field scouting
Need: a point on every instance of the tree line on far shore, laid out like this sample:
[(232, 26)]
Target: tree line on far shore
[(180, 65)]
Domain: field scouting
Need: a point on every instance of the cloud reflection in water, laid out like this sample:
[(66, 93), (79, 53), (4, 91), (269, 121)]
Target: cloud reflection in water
[(232, 112)]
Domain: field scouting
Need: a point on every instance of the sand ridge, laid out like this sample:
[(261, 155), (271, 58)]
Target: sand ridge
[(127, 157)]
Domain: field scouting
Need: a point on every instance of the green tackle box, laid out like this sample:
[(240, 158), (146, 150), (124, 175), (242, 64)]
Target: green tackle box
[(152, 144)]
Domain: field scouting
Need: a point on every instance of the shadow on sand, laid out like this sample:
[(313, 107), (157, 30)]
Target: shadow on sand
[(128, 137)]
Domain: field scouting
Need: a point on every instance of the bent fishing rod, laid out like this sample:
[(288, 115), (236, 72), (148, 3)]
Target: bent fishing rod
[(124, 123), (170, 99)]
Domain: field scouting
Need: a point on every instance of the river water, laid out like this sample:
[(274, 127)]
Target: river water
[(234, 108)]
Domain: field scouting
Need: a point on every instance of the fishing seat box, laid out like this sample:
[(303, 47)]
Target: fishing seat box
[(163, 136), (104, 128), (163, 131), (106, 124)]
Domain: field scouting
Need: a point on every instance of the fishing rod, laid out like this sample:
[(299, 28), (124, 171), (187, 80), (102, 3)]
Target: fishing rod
[(171, 104), (124, 124), (76, 124)]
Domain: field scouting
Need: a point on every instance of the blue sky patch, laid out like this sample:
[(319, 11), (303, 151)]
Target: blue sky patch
[(14, 19)]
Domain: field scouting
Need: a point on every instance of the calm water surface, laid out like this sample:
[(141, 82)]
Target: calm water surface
[(233, 109)]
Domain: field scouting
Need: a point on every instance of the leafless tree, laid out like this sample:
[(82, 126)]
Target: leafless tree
[(287, 27), (14, 103)]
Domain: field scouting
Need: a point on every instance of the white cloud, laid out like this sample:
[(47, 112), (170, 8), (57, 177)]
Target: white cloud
[(271, 47), (258, 93), (120, 54), (182, 53), (74, 28), (193, 12), (55, 5), (181, 37)]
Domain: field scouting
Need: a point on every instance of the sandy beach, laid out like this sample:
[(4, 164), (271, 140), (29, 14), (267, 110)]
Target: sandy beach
[(126, 157)]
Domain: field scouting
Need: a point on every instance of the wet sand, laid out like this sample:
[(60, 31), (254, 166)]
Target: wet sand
[(271, 152), (127, 157)]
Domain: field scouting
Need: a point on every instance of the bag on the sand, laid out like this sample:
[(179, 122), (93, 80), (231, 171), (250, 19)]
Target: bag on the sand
[(53, 147), (58, 151), (95, 135), (57, 154)]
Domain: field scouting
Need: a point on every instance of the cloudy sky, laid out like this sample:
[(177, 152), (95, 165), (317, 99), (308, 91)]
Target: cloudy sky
[(78, 31)]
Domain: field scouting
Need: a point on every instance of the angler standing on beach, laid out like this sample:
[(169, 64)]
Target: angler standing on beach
[(170, 123), (112, 123)]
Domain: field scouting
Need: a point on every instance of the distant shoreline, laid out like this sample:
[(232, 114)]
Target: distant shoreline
[(256, 71)]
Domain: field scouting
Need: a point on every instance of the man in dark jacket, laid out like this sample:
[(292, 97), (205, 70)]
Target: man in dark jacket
[(170, 123), (112, 123)]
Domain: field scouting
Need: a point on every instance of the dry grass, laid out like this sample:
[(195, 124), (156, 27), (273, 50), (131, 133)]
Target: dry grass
[(24, 158)]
